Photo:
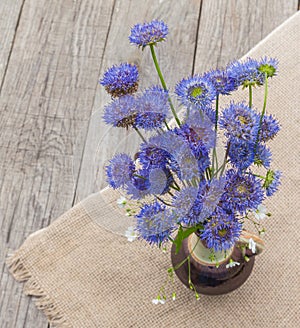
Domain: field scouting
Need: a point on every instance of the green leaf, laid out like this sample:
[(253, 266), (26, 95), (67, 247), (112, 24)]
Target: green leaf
[(184, 233)]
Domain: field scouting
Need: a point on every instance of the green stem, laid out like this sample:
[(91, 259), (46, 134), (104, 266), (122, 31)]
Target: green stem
[(214, 155), (225, 159), (250, 96), (217, 113), (163, 83), (263, 112), (139, 133)]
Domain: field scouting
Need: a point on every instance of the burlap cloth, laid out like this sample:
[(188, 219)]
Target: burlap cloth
[(83, 275)]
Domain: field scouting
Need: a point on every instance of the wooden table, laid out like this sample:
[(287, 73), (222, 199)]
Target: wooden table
[(52, 53)]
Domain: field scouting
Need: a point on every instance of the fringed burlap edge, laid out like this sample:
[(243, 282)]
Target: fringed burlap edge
[(32, 288)]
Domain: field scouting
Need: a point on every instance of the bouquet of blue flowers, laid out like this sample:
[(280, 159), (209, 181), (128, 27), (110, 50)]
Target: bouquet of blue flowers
[(177, 177)]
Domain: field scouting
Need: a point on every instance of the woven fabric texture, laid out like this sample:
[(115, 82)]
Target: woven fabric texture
[(83, 275)]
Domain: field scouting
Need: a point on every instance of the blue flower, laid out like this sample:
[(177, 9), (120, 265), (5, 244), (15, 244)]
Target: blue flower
[(121, 112), (160, 180), (240, 122), (120, 170), (242, 191), (263, 156), (200, 128), (224, 83), (139, 185), (199, 151), (155, 223), (268, 66), (152, 108), (121, 80), (221, 230), (246, 73), (184, 201), (269, 128), (272, 182), (241, 153), (195, 90), (148, 33)]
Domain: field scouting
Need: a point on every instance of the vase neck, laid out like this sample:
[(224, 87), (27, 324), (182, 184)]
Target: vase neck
[(201, 254)]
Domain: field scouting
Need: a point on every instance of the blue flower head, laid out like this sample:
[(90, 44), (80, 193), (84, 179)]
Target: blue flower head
[(146, 34), (195, 90), (120, 170), (152, 108), (221, 230), (121, 79), (243, 191), (269, 128), (121, 112), (268, 66), (263, 156), (240, 122), (224, 83), (245, 73), (272, 182), (200, 128), (155, 223), (241, 153)]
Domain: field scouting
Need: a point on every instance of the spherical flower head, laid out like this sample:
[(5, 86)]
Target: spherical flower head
[(183, 201), (269, 128), (197, 151), (195, 90), (245, 73), (160, 180), (200, 128), (155, 223), (272, 182), (152, 108), (146, 34), (240, 122), (139, 185), (263, 156), (268, 66), (224, 84), (221, 231), (120, 112), (153, 156), (120, 80), (243, 191), (120, 170), (241, 153)]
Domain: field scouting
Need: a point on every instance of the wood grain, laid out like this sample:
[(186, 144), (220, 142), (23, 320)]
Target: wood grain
[(230, 28), (10, 12), (47, 95), (51, 150)]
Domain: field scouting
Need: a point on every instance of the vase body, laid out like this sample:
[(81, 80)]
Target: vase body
[(214, 278)]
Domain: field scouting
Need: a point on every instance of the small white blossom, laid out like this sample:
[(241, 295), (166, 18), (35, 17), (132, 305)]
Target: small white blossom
[(252, 245), (261, 212), (158, 300), (130, 234), (121, 201), (231, 264)]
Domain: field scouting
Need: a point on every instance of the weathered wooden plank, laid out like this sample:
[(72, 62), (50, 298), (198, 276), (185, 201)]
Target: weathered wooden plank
[(176, 59), (10, 12), (47, 95), (230, 28)]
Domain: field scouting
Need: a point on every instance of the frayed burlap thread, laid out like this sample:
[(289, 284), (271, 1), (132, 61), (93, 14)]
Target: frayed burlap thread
[(86, 276)]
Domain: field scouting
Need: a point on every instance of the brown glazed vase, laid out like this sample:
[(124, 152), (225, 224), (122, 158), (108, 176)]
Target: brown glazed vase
[(213, 278)]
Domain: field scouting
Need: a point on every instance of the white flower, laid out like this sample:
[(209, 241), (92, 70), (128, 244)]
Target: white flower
[(130, 234), (252, 245), (121, 201), (261, 212), (231, 264), (158, 300)]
